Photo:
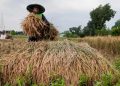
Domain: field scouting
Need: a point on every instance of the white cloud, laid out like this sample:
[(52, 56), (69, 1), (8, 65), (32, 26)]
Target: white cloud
[(67, 5), (64, 13)]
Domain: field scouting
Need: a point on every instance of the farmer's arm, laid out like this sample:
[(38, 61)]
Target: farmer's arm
[(45, 20)]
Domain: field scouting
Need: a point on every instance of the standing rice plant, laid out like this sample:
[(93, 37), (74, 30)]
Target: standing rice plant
[(108, 46)]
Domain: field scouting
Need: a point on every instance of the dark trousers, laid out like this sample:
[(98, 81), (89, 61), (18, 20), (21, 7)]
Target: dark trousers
[(44, 35), (32, 39)]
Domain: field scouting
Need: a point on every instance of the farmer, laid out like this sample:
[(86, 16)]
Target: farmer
[(38, 10)]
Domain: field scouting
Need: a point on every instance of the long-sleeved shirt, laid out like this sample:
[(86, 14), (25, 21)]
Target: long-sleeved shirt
[(44, 19)]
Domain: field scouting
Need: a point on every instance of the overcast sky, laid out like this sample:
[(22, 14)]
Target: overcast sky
[(62, 13)]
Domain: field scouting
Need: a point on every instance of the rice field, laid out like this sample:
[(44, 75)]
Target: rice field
[(68, 62), (108, 46)]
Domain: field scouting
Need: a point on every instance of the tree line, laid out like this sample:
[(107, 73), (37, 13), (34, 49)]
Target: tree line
[(12, 32), (97, 25)]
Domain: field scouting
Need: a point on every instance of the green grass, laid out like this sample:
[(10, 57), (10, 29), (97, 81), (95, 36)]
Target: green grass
[(20, 36), (117, 64)]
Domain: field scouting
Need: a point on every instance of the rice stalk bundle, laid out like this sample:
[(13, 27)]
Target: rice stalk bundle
[(40, 61), (53, 33), (33, 25)]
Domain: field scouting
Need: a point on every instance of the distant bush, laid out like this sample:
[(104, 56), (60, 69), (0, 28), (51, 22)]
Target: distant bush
[(103, 32), (74, 32), (115, 31), (13, 32), (68, 34)]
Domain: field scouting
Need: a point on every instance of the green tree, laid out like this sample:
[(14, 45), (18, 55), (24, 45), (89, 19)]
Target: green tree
[(89, 30), (69, 34), (99, 16), (77, 31), (103, 32), (116, 28), (74, 32), (117, 24), (13, 32), (115, 31)]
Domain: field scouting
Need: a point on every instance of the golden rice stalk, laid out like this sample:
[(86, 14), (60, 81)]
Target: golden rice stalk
[(33, 25), (39, 61), (53, 33)]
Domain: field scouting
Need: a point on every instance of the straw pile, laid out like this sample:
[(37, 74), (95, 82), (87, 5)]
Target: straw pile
[(33, 25), (39, 61)]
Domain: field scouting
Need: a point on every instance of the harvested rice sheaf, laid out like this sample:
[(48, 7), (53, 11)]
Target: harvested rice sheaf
[(39, 61), (33, 25), (53, 33)]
